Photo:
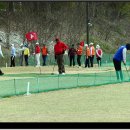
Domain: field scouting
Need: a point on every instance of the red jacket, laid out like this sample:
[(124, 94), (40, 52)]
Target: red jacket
[(37, 49), (60, 48), (44, 51), (99, 53)]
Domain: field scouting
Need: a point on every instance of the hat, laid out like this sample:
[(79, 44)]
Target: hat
[(97, 46), (91, 43), (128, 46), (57, 39), (37, 43), (86, 44), (21, 45), (12, 45)]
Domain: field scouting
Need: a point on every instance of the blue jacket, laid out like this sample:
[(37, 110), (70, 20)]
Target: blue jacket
[(13, 51), (119, 54)]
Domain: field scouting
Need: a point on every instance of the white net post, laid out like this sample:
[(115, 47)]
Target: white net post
[(28, 89)]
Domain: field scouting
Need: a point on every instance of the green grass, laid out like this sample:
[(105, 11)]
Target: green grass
[(107, 103)]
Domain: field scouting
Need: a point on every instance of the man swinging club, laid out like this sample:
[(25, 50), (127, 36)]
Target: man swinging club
[(120, 56)]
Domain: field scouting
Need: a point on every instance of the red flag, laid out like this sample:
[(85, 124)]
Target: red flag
[(30, 36), (82, 43)]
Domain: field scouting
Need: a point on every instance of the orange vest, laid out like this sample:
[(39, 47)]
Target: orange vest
[(87, 51), (92, 50), (44, 51), (79, 50)]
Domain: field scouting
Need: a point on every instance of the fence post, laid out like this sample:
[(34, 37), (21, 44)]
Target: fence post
[(110, 76), (94, 78), (38, 83), (78, 80), (28, 89), (58, 81), (15, 87)]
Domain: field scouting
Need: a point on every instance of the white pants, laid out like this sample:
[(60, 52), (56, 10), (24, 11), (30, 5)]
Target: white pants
[(38, 59)]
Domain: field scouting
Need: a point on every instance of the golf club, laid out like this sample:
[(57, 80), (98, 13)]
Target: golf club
[(127, 72), (53, 69)]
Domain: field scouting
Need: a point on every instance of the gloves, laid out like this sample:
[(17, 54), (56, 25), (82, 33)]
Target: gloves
[(124, 63)]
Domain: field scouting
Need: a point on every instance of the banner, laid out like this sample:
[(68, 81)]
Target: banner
[(30, 36)]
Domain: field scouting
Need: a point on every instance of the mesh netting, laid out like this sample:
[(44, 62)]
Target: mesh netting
[(47, 82), (106, 60)]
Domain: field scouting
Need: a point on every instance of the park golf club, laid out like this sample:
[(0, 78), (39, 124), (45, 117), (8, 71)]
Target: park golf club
[(127, 71), (53, 68)]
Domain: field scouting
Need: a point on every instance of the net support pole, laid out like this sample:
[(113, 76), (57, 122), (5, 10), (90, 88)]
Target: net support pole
[(78, 80), (28, 89)]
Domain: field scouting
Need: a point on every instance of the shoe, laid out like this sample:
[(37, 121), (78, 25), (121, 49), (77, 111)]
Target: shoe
[(1, 73), (63, 73)]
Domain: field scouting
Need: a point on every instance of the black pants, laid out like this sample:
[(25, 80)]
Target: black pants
[(44, 57), (26, 59), (91, 60), (87, 62), (60, 62), (99, 61), (12, 61), (117, 65), (78, 60), (72, 59)]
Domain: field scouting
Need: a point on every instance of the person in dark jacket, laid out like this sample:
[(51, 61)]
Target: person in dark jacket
[(59, 50), (120, 56), (71, 54)]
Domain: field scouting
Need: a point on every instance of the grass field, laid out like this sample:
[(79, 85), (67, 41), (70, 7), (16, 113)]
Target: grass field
[(106, 103), (109, 103)]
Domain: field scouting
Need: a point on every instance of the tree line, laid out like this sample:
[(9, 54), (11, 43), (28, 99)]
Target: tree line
[(110, 20)]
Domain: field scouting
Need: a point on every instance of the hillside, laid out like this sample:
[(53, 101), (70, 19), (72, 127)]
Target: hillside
[(67, 20)]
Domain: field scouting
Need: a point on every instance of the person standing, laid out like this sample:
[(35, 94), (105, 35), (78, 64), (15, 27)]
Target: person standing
[(79, 54), (59, 50), (44, 54), (87, 54), (92, 53), (71, 54), (26, 54), (1, 53), (120, 56), (37, 54), (99, 55), (13, 55)]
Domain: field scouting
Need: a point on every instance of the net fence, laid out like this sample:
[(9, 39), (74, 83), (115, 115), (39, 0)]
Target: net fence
[(47, 82), (106, 60)]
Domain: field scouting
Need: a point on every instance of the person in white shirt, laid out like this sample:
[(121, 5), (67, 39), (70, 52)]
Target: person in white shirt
[(99, 53)]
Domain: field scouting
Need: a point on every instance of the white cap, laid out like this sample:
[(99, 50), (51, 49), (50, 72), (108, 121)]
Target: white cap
[(37, 43), (12, 45), (91, 43), (21, 44), (86, 44), (97, 46)]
